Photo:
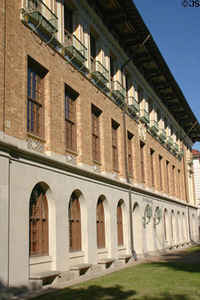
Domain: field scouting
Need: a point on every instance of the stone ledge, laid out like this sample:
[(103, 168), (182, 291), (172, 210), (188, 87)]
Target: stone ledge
[(106, 260), (44, 275), (125, 256), (80, 267)]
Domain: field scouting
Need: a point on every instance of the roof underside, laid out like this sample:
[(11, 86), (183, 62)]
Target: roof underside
[(126, 25)]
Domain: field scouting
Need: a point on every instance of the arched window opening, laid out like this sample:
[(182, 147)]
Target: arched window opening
[(172, 225), (101, 243), (38, 222), (165, 224), (74, 223), (120, 224)]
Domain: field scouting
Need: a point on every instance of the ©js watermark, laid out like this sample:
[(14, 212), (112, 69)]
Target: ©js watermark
[(191, 3)]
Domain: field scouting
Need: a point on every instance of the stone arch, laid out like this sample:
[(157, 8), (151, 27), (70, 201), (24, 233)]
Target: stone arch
[(173, 227), (166, 225), (102, 211), (184, 232), (39, 221), (157, 228), (137, 229), (178, 227), (77, 221), (120, 223)]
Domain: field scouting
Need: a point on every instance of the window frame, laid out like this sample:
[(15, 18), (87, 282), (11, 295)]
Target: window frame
[(115, 150), (130, 153), (142, 162), (70, 119), (100, 223), (120, 230), (35, 101), (74, 217), (38, 223), (152, 153), (96, 151)]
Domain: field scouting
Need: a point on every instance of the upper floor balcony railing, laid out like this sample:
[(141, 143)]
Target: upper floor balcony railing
[(99, 72), (37, 13), (133, 106), (154, 128), (180, 154), (144, 116), (170, 141), (175, 147), (162, 135), (118, 91), (74, 48)]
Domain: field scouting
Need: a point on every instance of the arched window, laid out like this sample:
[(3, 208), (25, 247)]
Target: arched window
[(165, 224), (38, 222), (120, 237), (74, 223), (101, 243), (172, 224)]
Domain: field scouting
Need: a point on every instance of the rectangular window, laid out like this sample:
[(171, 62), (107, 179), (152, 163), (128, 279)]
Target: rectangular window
[(179, 184), (140, 95), (160, 172), (95, 134), (35, 101), (167, 175), (152, 166), (115, 161), (93, 48), (173, 180), (130, 153), (68, 20), (112, 68), (142, 162), (70, 119), (93, 51)]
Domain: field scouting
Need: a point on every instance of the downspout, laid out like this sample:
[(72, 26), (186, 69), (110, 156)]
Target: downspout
[(126, 167), (4, 66), (3, 120), (127, 176), (126, 154), (189, 225), (186, 195), (9, 181), (186, 181)]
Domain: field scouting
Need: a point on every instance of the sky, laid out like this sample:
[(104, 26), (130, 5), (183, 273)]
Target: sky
[(175, 27)]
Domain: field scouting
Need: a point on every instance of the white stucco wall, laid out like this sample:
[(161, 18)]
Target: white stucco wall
[(16, 265)]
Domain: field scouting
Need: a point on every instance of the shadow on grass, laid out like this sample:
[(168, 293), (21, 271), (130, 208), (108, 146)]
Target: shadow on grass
[(11, 292), (92, 292), (107, 293), (165, 296), (188, 261)]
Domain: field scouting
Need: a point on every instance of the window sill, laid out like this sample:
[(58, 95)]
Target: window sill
[(97, 162), (34, 260), (36, 137), (101, 251), (121, 248), (71, 151), (76, 254)]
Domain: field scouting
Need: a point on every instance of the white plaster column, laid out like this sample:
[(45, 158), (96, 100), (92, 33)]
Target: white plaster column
[(4, 219)]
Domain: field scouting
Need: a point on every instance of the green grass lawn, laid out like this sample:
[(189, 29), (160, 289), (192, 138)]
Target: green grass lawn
[(150, 281)]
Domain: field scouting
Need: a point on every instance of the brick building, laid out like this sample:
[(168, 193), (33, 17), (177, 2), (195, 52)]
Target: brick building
[(95, 141)]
